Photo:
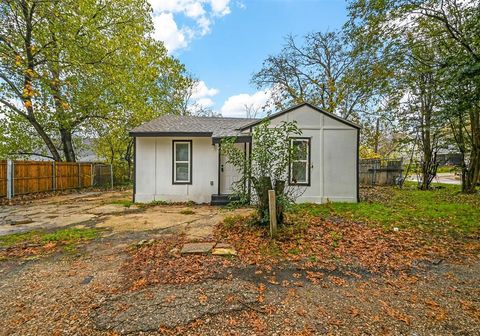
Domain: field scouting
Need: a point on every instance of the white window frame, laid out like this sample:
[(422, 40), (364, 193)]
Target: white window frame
[(188, 162), (306, 161)]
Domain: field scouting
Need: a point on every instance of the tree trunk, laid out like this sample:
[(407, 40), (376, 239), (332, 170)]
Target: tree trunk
[(279, 193), (472, 173), (428, 165), (28, 83), (67, 145), (46, 139), (262, 186), (377, 136), (128, 157)]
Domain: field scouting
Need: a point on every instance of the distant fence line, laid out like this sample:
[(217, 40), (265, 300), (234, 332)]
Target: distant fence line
[(27, 177), (380, 171)]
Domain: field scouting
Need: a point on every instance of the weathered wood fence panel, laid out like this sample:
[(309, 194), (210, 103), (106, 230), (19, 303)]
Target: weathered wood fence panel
[(42, 176), (71, 175), (32, 176), (102, 175), (380, 172), (3, 178)]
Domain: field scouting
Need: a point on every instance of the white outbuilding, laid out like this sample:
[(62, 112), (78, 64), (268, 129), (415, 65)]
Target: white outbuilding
[(178, 158)]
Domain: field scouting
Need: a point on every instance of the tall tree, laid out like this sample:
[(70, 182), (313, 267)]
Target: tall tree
[(67, 66), (451, 28), (321, 71)]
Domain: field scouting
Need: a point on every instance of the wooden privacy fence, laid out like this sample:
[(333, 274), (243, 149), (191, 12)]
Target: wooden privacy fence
[(380, 172), (26, 177), (3, 178)]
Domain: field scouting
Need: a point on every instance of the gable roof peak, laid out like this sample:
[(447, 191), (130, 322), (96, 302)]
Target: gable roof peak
[(294, 107)]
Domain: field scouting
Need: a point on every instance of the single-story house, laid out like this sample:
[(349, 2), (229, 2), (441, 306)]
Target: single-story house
[(178, 158)]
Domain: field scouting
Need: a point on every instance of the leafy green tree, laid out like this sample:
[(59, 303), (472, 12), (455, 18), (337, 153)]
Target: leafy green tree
[(71, 67), (267, 168), (162, 90), (447, 29), (321, 71)]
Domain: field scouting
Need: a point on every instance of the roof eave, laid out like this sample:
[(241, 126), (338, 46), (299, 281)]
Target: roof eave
[(170, 134), (238, 138)]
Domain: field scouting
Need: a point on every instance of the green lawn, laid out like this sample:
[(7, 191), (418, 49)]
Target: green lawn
[(67, 236), (443, 210)]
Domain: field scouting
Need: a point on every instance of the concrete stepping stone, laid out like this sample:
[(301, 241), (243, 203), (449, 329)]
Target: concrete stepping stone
[(223, 249), (197, 248)]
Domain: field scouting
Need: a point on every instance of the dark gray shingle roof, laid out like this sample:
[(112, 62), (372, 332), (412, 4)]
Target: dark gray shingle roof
[(202, 126)]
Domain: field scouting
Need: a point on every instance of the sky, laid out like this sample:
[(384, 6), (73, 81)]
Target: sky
[(224, 42)]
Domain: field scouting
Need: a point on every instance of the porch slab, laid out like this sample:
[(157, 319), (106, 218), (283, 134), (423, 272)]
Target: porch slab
[(197, 248)]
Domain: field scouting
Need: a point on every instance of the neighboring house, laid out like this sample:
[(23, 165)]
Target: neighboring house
[(177, 158), (448, 157), (83, 152)]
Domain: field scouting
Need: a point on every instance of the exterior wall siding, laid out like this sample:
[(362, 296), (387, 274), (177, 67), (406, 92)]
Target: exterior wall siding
[(333, 156), (154, 171)]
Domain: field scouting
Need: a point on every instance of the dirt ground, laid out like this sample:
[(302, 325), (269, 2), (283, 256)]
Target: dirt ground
[(105, 210), (88, 292)]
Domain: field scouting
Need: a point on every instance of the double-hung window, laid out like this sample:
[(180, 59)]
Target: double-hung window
[(182, 162), (300, 161)]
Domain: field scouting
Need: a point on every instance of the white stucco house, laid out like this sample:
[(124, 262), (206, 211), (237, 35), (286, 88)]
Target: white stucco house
[(178, 158)]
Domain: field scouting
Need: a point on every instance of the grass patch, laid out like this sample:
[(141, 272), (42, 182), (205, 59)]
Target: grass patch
[(448, 169), (67, 236), (70, 235), (443, 210), (231, 221), (17, 238)]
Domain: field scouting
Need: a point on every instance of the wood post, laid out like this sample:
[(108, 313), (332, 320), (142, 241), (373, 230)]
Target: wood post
[(272, 211)]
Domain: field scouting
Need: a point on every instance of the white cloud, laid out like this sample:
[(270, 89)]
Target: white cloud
[(166, 30), (220, 7), (201, 12), (235, 106), (201, 90), (205, 102), (201, 99)]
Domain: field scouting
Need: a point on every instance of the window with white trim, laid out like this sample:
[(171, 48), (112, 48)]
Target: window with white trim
[(182, 162), (300, 162)]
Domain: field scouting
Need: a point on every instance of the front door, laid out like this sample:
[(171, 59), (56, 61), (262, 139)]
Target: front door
[(228, 174)]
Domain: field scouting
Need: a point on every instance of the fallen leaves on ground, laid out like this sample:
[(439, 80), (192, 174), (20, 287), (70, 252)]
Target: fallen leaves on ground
[(327, 243), (28, 250), (156, 264)]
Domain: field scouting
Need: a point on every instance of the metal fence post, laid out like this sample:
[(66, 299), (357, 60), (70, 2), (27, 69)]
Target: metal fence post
[(10, 178), (111, 175)]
